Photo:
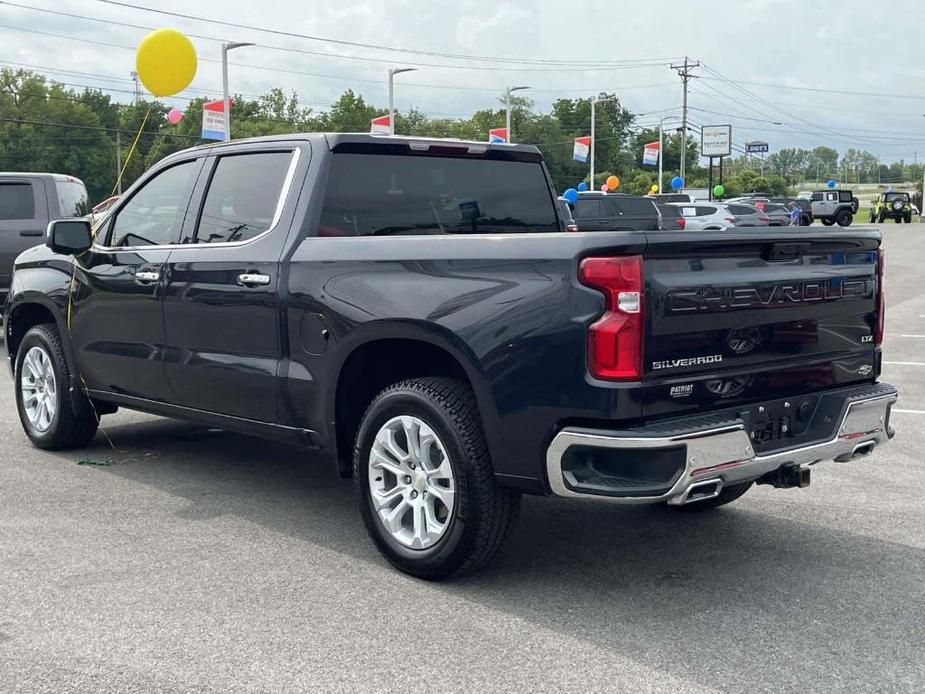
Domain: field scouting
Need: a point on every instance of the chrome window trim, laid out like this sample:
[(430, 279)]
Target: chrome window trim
[(277, 215)]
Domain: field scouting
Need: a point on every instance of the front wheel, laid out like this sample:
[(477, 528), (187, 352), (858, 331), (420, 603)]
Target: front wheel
[(828, 221), (425, 483), (53, 418), (844, 218)]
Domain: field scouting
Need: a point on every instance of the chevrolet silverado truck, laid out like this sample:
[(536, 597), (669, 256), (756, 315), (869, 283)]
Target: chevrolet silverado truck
[(415, 311)]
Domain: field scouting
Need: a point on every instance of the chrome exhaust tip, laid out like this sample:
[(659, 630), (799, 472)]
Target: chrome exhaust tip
[(701, 491), (862, 450)]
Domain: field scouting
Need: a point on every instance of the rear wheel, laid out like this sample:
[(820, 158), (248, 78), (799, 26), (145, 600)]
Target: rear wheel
[(52, 417), (908, 218), (881, 218), (425, 483), (727, 495), (828, 221), (844, 218)]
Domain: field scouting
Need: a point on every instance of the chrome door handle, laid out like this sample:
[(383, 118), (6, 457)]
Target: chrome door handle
[(253, 279), (147, 275)]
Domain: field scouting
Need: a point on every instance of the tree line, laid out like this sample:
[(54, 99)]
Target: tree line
[(46, 126)]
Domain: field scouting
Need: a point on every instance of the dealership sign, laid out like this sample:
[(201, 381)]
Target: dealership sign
[(213, 120), (650, 153), (756, 147), (581, 149), (497, 136), (382, 125), (716, 141)]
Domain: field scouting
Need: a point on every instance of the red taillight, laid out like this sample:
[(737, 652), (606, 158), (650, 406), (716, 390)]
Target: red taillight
[(881, 306), (731, 220), (682, 222), (615, 340), (764, 218)]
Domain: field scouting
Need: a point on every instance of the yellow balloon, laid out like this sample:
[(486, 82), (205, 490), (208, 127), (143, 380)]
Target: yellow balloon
[(613, 182), (654, 188), (166, 62)]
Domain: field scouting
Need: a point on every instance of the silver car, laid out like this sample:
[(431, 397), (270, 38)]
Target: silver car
[(714, 216)]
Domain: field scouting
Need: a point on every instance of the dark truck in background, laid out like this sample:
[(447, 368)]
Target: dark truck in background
[(28, 202), (410, 309)]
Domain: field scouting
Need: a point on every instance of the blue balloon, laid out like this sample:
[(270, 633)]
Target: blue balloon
[(582, 187), (831, 183), (571, 195), (677, 183)]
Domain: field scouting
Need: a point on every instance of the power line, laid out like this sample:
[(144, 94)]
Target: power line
[(392, 49)]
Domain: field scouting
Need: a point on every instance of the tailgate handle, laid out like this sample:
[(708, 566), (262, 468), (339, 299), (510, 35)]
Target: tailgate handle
[(785, 251)]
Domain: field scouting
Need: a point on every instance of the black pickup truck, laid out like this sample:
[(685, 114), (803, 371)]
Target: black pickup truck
[(410, 309)]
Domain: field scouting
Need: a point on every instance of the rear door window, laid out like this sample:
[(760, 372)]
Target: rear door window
[(398, 194), (17, 201), (243, 196), (705, 211), (588, 208), (817, 197), (637, 206)]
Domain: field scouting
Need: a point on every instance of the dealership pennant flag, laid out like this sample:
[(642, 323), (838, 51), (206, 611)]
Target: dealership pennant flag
[(582, 147), (650, 153), (380, 125), (497, 136), (213, 120)]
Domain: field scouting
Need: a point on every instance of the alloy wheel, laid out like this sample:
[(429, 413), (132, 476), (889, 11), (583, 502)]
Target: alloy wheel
[(39, 389)]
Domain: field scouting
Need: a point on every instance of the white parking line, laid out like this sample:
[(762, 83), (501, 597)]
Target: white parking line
[(908, 411), (905, 363), (912, 335)]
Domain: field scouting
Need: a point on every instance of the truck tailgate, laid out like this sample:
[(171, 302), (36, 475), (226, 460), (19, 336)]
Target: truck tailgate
[(735, 317)]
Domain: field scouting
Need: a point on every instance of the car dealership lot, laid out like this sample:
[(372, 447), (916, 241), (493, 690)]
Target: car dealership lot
[(206, 561)]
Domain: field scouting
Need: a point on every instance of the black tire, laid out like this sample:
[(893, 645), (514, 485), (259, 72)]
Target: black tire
[(726, 495), (881, 218), (908, 218), (74, 422), (806, 220), (828, 221), (873, 217), (844, 218), (483, 513)]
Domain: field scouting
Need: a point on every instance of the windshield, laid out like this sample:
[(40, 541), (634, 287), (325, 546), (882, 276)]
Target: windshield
[(72, 198)]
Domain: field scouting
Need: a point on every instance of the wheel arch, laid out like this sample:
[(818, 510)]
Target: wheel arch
[(28, 310), (383, 354)]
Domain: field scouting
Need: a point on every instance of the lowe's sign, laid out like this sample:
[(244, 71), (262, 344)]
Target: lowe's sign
[(756, 147)]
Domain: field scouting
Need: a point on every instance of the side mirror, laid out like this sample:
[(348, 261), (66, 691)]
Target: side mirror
[(69, 236)]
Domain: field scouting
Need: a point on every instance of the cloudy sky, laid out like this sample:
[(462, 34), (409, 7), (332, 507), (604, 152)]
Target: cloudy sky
[(805, 72)]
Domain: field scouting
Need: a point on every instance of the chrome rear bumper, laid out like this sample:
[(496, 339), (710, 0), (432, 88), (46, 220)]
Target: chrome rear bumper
[(723, 454)]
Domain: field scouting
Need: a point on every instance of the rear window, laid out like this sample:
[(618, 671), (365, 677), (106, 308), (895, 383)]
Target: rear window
[(742, 210), (72, 198), (397, 194), (636, 206), (670, 211), (16, 201), (844, 195), (705, 211), (897, 196)]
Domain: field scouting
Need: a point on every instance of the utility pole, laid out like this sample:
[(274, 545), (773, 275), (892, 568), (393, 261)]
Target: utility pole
[(392, 72), (118, 162), (226, 96), (684, 72), (137, 87), (507, 111)]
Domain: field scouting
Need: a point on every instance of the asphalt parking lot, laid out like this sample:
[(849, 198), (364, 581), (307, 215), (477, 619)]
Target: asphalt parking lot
[(210, 562)]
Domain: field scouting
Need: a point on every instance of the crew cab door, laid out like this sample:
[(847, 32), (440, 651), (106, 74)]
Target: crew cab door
[(23, 219), (117, 327), (221, 304)]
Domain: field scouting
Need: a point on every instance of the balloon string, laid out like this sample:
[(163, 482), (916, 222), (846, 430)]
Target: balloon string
[(71, 286), (128, 157)]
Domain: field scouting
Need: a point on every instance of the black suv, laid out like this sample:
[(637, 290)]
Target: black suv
[(615, 212)]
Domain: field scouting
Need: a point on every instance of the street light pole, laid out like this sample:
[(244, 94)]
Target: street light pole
[(593, 139), (507, 104), (228, 46), (392, 72)]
